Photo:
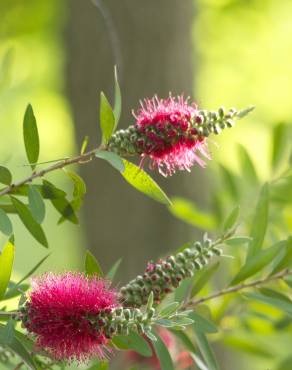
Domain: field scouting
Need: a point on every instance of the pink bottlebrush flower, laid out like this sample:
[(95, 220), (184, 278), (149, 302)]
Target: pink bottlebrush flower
[(168, 136), (58, 310)]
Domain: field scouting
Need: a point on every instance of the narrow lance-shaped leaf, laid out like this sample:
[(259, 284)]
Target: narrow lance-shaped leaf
[(5, 223), (6, 263), (202, 324), (31, 136), (112, 158), (231, 219), (258, 262), (118, 100), (141, 181), (282, 305), (33, 269), (134, 342), (19, 349), (5, 176), (202, 278), (92, 267), (162, 353), (247, 167), (230, 182), (190, 213), (29, 222), (279, 144), (107, 119), (286, 260), (114, 269), (260, 222), (8, 332), (206, 350), (244, 112), (36, 204)]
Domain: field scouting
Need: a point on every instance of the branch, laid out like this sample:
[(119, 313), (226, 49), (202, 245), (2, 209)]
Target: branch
[(19, 365), (59, 165), (239, 287)]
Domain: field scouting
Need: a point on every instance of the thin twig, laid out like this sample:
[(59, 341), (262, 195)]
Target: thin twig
[(59, 165), (236, 288), (8, 313), (19, 366)]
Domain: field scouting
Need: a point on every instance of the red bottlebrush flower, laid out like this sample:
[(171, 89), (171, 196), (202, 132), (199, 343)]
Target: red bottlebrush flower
[(169, 139), (58, 314)]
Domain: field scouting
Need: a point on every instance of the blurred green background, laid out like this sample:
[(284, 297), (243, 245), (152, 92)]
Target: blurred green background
[(226, 52)]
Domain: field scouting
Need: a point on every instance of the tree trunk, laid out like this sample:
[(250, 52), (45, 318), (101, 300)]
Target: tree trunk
[(154, 55)]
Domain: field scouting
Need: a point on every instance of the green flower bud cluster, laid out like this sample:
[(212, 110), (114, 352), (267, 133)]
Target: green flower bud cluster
[(165, 275), (124, 142), (120, 321), (213, 122)]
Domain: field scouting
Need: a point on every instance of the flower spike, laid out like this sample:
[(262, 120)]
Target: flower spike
[(172, 133)]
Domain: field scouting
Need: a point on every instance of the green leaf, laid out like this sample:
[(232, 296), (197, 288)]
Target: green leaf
[(36, 204), (29, 222), (78, 193), (7, 334), (33, 269), (182, 291), (202, 324), (188, 344), (15, 290), (166, 323), (244, 112), (231, 219), (282, 305), (50, 191), (258, 262), (84, 145), (248, 170), (248, 346), (188, 212), (47, 190), (134, 342), (206, 350), (118, 100), (141, 181), (162, 354), (18, 348), (112, 158), (202, 278), (182, 321), (79, 185), (168, 309), (285, 364), (100, 365), (5, 176), (92, 266), (6, 263), (31, 136), (286, 260), (5, 223), (237, 240), (230, 182), (279, 144), (112, 272), (150, 301), (64, 207), (260, 222), (107, 119)]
